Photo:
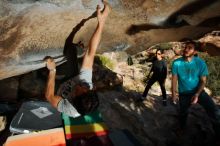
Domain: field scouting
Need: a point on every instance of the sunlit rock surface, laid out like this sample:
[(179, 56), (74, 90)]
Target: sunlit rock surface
[(2, 123)]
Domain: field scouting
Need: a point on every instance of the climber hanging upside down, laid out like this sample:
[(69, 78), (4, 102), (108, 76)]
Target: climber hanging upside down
[(77, 96)]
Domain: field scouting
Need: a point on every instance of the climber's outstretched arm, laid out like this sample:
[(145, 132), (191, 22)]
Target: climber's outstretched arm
[(96, 37)]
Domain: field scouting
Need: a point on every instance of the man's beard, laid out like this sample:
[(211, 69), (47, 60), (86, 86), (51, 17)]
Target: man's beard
[(188, 54)]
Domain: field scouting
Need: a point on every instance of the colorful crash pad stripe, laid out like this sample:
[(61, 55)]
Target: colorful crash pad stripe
[(97, 129), (94, 117), (86, 135), (85, 126)]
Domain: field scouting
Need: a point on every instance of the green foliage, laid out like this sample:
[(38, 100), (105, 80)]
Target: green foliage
[(104, 61), (213, 81)]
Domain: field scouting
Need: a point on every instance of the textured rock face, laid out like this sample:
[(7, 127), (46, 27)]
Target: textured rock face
[(104, 78), (31, 30), (31, 34), (151, 123), (9, 90), (211, 43)]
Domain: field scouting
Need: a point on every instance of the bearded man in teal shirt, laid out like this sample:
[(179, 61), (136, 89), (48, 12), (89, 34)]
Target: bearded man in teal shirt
[(190, 72)]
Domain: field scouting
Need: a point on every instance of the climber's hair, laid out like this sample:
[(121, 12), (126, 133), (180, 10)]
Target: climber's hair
[(86, 103)]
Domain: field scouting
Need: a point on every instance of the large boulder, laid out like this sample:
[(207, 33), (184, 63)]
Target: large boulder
[(211, 43), (152, 123)]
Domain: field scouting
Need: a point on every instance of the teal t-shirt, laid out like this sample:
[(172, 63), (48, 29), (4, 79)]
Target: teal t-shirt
[(189, 73)]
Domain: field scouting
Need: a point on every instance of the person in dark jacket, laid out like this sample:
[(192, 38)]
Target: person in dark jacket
[(159, 69)]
